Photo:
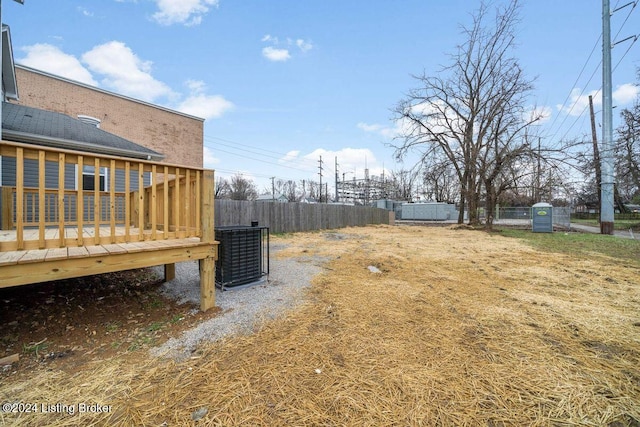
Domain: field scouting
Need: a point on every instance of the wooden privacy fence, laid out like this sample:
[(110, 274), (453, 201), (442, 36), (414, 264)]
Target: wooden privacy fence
[(292, 217)]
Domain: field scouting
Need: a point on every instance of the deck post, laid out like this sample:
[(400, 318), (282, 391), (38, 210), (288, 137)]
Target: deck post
[(207, 283), (169, 272), (207, 265)]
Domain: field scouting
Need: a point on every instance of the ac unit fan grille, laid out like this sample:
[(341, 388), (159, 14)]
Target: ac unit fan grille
[(241, 255)]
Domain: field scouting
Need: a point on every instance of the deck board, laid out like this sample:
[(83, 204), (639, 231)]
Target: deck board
[(56, 254), (31, 255), (114, 248), (78, 252), (96, 250), (31, 237), (11, 257), (34, 255)]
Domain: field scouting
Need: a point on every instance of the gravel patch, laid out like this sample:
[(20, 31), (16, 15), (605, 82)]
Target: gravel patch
[(243, 310)]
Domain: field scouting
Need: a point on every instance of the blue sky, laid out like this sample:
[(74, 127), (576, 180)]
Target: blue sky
[(285, 81)]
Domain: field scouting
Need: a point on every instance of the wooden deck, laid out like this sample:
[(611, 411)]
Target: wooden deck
[(96, 231), (42, 265)]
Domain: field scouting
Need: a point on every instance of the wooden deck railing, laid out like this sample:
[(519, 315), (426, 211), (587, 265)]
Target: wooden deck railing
[(52, 211), (175, 202)]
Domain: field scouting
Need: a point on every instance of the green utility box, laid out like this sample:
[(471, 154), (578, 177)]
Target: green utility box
[(542, 218)]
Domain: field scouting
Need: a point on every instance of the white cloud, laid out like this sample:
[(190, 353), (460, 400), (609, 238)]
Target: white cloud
[(124, 72), (291, 156), (269, 38), (49, 58), (370, 128), (429, 113), (196, 86), (385, 131), (626, 93), (199, 104), (276, 55), (85, 12), (208, 159), (205, 106), (304, 46), (578, 102), (352, 160), (623, 95), (187, 12)]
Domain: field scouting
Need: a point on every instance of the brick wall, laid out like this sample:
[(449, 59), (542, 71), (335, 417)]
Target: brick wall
[(178, 136)]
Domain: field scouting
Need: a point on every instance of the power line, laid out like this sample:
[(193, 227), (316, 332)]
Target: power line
[(615, 9), (237, 171), (635, 38), (575, 84), (253, 149), (244, 156)]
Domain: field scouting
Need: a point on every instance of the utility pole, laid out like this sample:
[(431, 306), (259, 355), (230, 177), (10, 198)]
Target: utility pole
[(320, 173), (538, 189), (606, 203), (596, 152), (337, 177), (367, 186), (273, 188)]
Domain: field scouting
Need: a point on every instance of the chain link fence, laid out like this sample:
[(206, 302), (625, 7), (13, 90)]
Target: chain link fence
[(522, 216)]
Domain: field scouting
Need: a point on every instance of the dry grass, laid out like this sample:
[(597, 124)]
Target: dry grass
[(460, 328)]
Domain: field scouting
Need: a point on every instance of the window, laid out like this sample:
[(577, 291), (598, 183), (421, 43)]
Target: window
[(88, 178)]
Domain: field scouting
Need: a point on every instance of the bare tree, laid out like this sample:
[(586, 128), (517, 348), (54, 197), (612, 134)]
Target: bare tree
[(403, 184), (439, 180), (628, 152), (311, 189), (506, 149), (242, 188), (287, 188), (223, 189), (473, 111)]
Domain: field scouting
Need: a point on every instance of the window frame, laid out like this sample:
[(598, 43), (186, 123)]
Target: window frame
[(89, 171)]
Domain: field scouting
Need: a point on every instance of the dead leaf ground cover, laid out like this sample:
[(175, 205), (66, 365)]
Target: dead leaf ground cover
[(461, 327)]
